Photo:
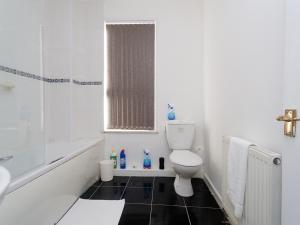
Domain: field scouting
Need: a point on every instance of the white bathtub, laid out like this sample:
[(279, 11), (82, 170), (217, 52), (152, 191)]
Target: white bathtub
[(42, 196)]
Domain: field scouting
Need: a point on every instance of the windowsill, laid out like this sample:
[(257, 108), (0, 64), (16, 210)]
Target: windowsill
[(131, 131)]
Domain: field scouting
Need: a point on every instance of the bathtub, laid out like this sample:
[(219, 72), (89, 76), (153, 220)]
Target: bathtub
[(42, 196)]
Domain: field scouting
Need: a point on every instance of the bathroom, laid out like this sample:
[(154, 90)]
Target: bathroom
[(228, 69)]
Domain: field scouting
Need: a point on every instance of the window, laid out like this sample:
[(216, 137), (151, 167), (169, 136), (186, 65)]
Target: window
[(130, 68)]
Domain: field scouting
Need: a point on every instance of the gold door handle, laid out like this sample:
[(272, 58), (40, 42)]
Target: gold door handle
[(287, 119), (290, 119)]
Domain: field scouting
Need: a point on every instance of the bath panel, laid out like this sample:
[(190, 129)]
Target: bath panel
[(44, 199)]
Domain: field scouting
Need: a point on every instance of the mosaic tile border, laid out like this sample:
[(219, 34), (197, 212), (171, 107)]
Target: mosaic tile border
[(87, 82), (33, 76), (45, 79)]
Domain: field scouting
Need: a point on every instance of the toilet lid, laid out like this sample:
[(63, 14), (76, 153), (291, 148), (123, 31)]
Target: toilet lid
[(185, 158)]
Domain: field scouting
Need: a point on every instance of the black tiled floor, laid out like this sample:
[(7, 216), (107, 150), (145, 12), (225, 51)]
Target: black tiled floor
[(160, 200), (135, 215), (117, 181), (98, 183), (169, 215), (206, 216), (108, 193), (164, 182), (138, 195), (164, 192), (202, 199), (199, 185), (141, 182), (167, 196), (89, 192)]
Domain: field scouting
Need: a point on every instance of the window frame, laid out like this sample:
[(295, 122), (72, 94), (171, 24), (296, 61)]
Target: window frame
[(105, 77)]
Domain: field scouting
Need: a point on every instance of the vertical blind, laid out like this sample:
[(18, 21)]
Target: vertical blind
[(130, 83)]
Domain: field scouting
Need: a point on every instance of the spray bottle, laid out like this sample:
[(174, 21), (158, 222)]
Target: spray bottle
[(147, 159), (171, 112)]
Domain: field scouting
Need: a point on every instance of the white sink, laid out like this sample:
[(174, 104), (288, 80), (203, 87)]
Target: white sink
[(4, 182)]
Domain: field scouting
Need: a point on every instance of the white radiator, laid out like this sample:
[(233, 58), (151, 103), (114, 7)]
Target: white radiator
[(263, 189)]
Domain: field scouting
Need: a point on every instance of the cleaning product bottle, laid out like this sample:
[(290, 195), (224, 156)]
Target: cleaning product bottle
[(171, 113), (113, 157), (147, 159), (122, 159)]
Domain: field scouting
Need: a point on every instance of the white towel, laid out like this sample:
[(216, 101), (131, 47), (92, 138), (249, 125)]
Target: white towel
[(94, 212), (237, 173)]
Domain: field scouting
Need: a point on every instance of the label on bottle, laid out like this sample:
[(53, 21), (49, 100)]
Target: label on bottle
[(122, 163)]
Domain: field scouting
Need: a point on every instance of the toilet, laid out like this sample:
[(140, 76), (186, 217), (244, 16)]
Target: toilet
[(180, 136)]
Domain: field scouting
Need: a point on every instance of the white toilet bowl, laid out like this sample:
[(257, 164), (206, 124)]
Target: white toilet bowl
[(180, 136), (185, 164)]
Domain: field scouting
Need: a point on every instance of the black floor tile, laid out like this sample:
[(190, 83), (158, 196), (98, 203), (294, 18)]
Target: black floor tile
[(138, 195), (199, 185), (206, 216), (141, 182), (164, 192), (167, 197), (97, 183), (202, 199), (167, 208), (135, 215), (164, 182), (169, 215), (88, 193), (108, 193), (116, 181)]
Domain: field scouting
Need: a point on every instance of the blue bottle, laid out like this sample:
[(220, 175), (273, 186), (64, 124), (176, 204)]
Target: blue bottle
[(171, 113), (122, 159), (147, 159)]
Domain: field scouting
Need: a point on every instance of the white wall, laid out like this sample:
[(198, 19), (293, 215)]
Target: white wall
[(179, 70), (87, 65), (73, 48), (56, 59), (243, 75)]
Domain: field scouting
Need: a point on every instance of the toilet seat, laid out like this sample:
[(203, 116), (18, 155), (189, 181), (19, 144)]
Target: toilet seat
[(185, 158)]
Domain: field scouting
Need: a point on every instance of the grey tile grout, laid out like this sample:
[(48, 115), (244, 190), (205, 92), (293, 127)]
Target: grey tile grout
[(125, 188), (137, 203), (203, 207), (187, 212), (151, 205), (139, 187), (182, 206), (95, 191), (156, 204)]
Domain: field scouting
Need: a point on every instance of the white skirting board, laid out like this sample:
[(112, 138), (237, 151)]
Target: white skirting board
[(144, 172), (94, 212), (140, 172), (213, 190)]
